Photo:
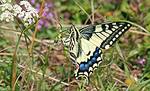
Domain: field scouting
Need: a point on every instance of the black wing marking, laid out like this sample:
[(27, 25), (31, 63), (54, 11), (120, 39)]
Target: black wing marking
[(118, 29), (74, 46)]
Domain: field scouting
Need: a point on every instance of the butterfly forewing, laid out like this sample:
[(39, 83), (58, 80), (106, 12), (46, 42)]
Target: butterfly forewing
[(104, 35), (117, 29)]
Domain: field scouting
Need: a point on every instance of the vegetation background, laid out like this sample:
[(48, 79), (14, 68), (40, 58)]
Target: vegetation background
[(42, 64)]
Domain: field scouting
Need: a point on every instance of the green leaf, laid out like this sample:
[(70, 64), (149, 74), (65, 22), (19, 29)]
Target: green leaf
[(133, 53)]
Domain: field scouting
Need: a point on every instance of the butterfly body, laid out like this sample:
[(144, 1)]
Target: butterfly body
[(85, 44)]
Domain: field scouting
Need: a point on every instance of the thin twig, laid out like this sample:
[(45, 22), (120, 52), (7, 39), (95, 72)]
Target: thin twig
[(82, 9), (39, 73), (11, 54), (7, 48), (119, 81), (92, 9), (36, 29), (32, 87), (132, 30), (14, 63)]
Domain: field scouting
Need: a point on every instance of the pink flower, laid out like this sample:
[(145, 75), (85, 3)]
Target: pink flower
[(141, 61)]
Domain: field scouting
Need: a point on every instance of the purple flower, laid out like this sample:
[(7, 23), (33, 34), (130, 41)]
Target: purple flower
[(37, 7), (47, 16), (49, 5), (50, 16), (141, 61), (46, 9), (46, 24), (44, 14), (41, 22), (32, 1), (39, 26)]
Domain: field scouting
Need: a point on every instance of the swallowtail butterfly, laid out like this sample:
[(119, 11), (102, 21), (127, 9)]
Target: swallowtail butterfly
[(85, 44)]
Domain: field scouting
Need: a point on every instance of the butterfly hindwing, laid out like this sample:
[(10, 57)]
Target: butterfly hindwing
[(85, 68)]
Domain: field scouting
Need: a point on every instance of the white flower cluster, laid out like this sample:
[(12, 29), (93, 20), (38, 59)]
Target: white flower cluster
[(23, 11)]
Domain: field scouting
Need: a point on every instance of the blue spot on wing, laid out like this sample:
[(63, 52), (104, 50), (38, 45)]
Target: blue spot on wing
[(94, 59), (96, 54), (97, 49), (84, 66), (90, 63)]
